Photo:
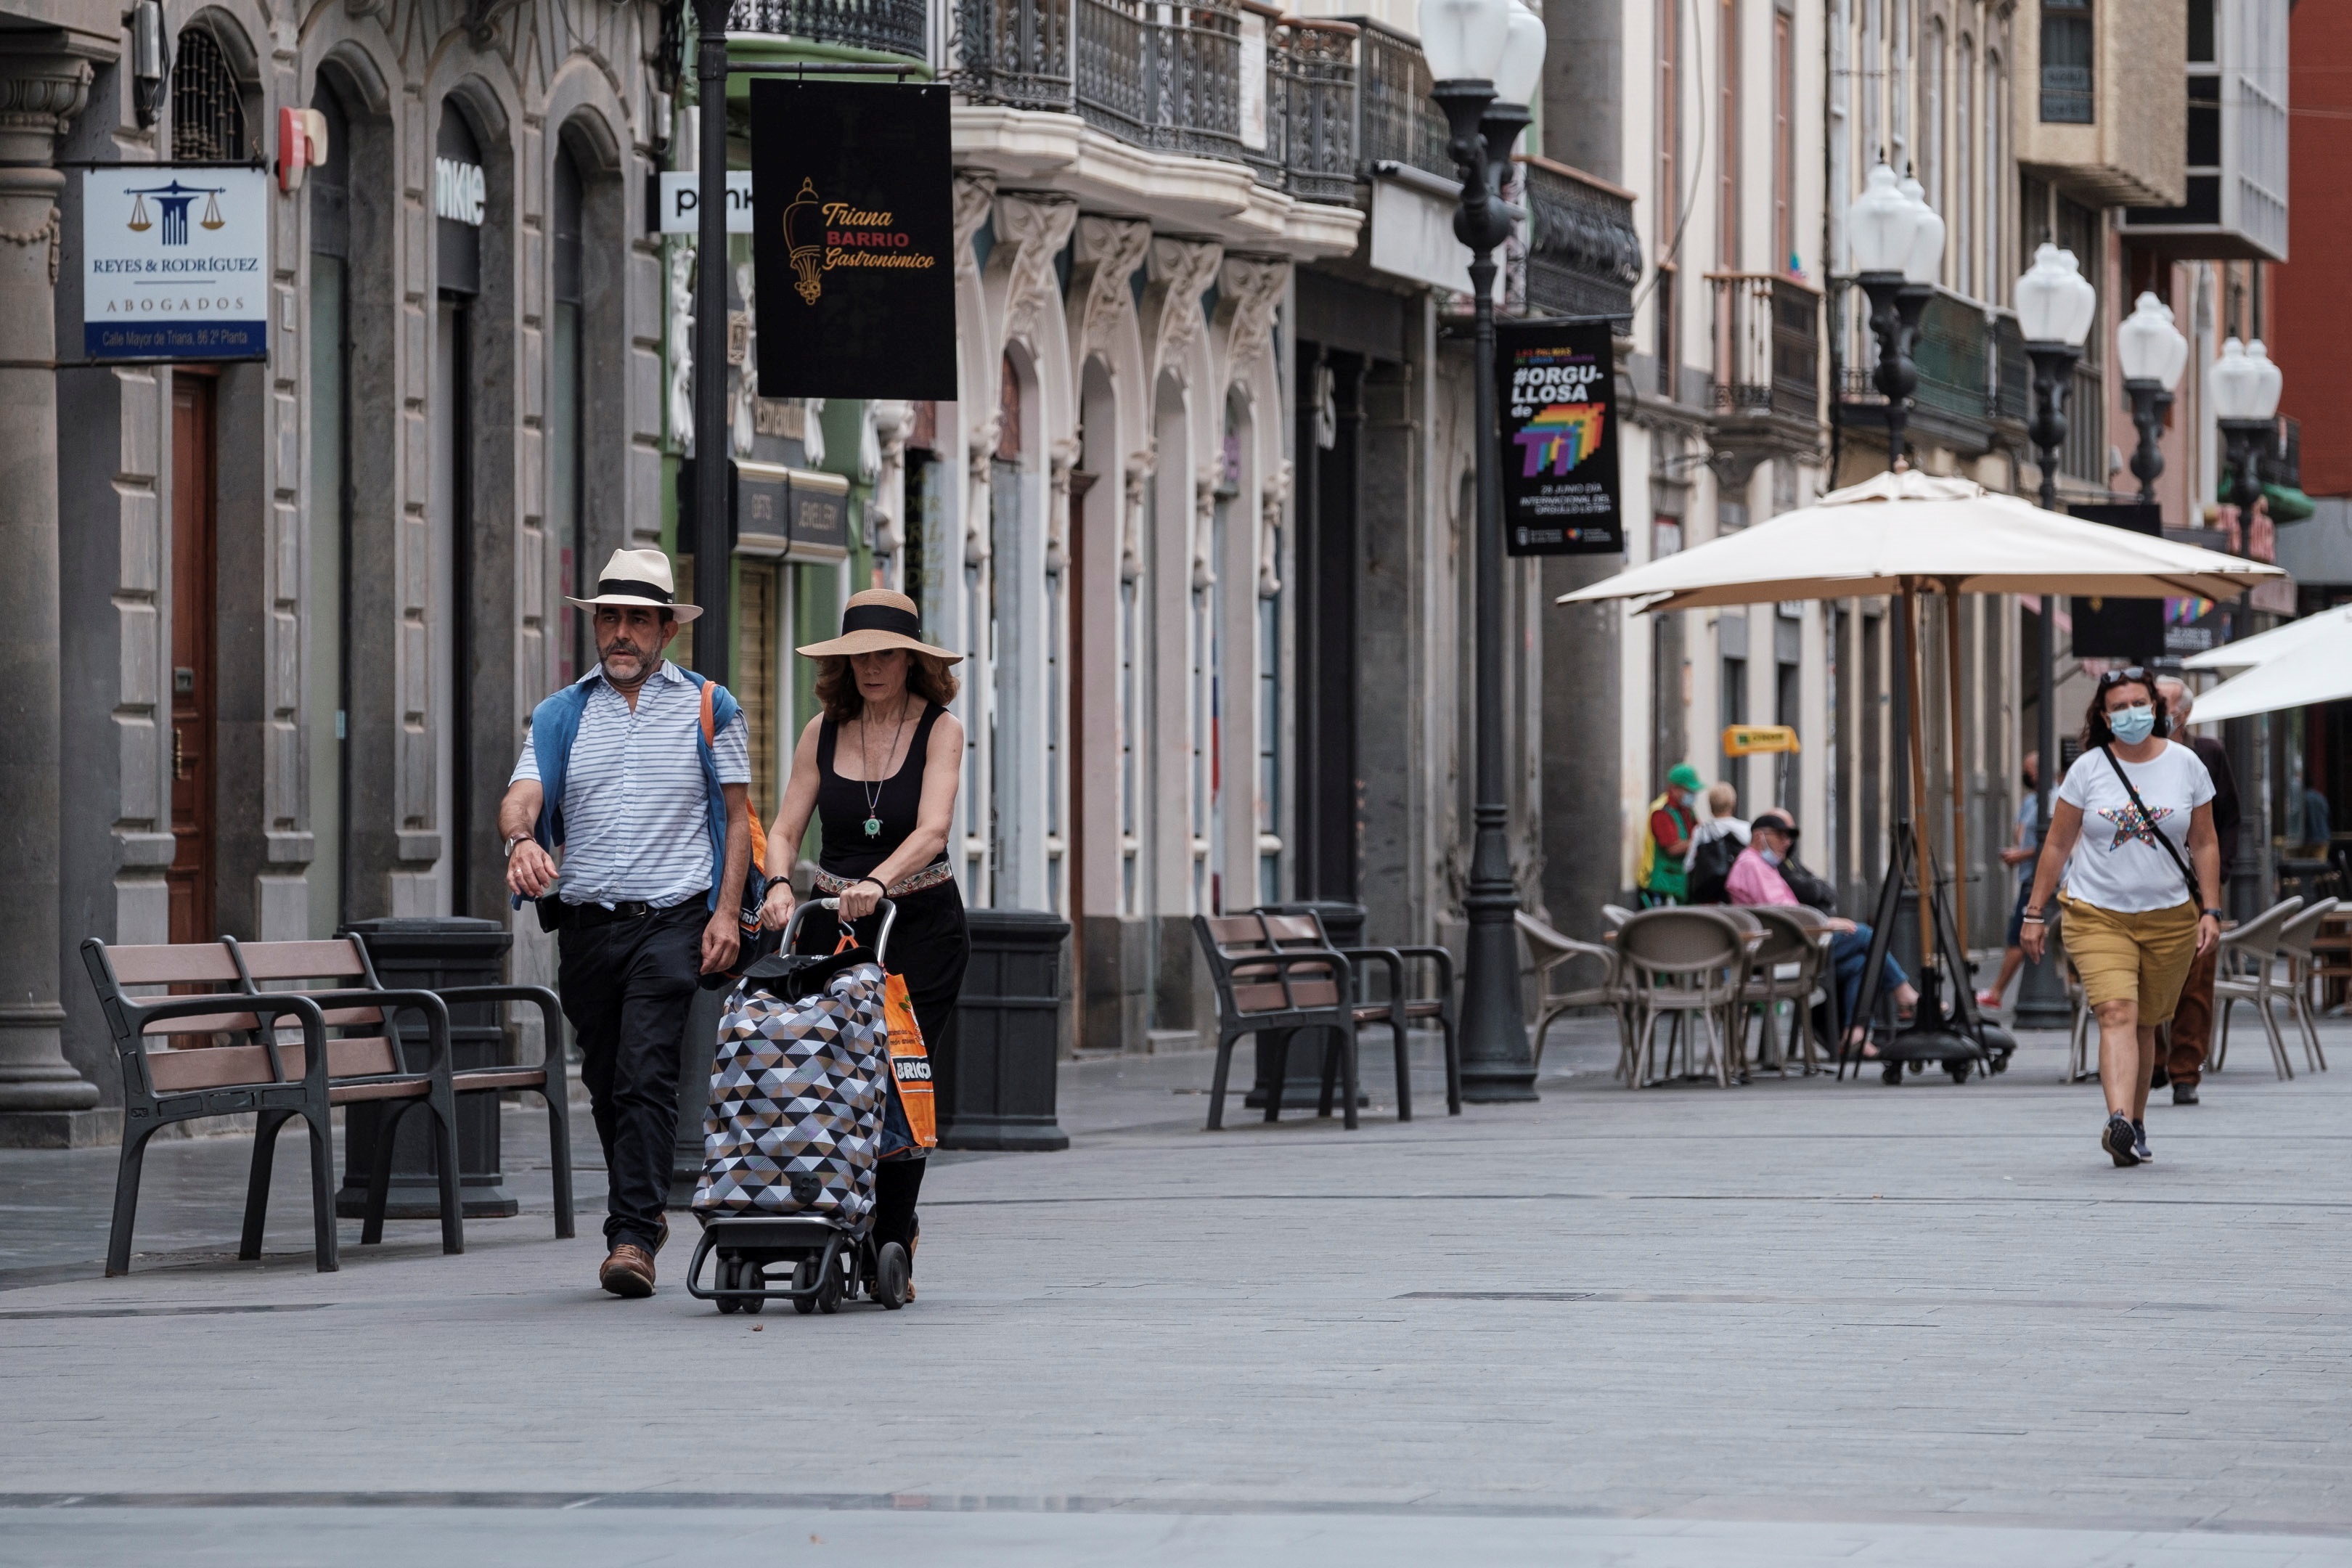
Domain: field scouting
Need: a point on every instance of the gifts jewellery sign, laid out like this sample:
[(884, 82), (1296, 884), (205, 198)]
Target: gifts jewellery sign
[(853, 240), (1557, 393), (176, 262)]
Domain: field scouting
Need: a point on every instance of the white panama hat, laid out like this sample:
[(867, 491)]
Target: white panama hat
[(639, 577)]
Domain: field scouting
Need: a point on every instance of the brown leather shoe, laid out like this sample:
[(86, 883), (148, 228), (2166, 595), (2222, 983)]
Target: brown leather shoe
[(629, 1271)]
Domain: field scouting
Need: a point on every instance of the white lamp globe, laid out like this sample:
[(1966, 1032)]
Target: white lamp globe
[(2268, 380), (2054, 305), (2177, 358), (1465, 39), (2146, 342), (1882, 225), (1926, 260), (2233, 380), (1521, 69)]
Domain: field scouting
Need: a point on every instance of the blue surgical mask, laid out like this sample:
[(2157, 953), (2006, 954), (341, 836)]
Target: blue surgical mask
[(1769, 857), (2133, 724)]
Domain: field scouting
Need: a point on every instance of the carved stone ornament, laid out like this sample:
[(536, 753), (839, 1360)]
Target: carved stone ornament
[(1182, 270), (743, 372), (1204, 524), (1256, 285), (891, 420), (1131, 534), (1272, 497), (1034, 228), (975, 197), (1061, 459), (681, 347), (1109, 250), (976, 508), (43, 92)]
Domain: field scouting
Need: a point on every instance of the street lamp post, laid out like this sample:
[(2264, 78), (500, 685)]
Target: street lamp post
[(2245, 386), (1486, 62), (2054, 306), (2151, 354), (1887, 229), (705, 533)]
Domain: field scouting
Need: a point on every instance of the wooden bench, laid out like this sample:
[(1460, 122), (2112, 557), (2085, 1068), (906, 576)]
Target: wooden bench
[(285, 961), (1405, 1005), (229, 1050)]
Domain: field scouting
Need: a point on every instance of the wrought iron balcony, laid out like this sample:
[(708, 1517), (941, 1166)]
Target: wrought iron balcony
[(1584, 255), (1395, 120), (889, 26), (1768, 349), (1973, 374)]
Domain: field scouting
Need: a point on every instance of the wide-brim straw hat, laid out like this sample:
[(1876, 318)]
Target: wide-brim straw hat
[(874, 620), (639, 577)]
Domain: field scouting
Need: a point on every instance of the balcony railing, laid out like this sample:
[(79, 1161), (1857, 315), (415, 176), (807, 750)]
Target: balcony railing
[(891, 27), (1970, 359), (1584, 255), (1766, 346), (1395, 122), (2084, 455)]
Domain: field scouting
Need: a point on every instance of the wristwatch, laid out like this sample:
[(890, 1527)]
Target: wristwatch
[(2217, 914), (518, 839)]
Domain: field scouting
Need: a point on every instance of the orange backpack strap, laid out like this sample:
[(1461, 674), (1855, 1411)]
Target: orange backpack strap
[(751, 811)]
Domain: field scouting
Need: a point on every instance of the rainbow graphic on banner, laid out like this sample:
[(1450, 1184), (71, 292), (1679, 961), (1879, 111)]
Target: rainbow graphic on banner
[(1559, 437)]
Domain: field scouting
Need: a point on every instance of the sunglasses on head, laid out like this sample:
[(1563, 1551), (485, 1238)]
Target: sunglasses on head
[(2126, 676)]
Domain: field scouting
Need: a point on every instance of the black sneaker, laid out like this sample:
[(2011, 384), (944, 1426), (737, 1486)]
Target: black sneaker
[(2117, 1139), (2159, 1077), (2183, 1093), (2139, 1143)]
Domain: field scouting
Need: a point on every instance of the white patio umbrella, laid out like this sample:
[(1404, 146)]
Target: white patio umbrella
[(2325, 635), (2320, 672), (1905, 532)]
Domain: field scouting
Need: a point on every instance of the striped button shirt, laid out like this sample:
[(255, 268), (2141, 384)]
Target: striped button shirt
[(636, 808)]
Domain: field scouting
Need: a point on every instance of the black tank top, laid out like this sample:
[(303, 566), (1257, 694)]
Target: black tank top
[(841, 804)]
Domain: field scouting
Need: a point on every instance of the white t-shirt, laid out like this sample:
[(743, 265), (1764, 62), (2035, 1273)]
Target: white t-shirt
[(2117, 864)]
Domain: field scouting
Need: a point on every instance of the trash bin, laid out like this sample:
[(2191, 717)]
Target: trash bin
[(1302, 1081), (993, 1076), (435, 952)]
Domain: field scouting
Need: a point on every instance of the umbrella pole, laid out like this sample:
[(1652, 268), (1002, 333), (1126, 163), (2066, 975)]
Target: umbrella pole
[(1960, 811), (1918, 772)]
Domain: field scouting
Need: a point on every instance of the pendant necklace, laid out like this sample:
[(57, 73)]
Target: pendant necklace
[(874, 787)]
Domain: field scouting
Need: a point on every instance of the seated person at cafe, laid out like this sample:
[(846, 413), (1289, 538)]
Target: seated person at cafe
[(1756, 881)]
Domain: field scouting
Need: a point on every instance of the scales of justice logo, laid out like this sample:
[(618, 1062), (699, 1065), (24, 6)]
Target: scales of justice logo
[(820, 235), (175, 199)]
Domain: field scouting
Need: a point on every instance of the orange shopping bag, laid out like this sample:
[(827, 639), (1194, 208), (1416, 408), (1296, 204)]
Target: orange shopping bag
[(910, 1064)]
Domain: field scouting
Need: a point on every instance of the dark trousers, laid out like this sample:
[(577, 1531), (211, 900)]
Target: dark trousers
[(2191, 1030), (1850, 951), (627, 986)]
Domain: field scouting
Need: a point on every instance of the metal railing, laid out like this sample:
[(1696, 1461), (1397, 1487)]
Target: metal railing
[(1311, 106), (1766, 346), (890, 26), (1584, 255), (1395, 122), (2084, 455), (1970, 358)]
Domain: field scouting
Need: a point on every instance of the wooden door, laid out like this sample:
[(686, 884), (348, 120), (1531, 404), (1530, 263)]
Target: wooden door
[(194, 625)]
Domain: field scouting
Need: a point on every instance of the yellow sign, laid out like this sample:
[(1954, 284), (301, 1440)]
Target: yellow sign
[(1747, 740)]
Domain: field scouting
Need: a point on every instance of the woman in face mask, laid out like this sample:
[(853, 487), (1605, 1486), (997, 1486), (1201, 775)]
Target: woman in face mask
[(2131, 833)]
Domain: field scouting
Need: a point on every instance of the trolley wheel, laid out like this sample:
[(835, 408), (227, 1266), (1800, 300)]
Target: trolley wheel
[(828, 1291), (803, 1281), (890, 1277), (750, 1276), (727, 1282), (1893, 1075), (1959, 1069), (1917, 1068)]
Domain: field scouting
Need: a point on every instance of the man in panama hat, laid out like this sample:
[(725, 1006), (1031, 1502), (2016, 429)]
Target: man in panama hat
[(640, 776)]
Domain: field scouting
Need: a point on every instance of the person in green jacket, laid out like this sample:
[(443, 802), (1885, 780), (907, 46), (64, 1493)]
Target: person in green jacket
[(1666, 839)]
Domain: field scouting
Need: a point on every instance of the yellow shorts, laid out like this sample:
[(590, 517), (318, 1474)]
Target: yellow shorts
[(2141, 958)]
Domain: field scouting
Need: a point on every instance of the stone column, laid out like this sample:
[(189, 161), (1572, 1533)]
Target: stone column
[(43, 1102)]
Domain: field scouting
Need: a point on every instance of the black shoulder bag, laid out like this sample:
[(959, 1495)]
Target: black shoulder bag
[(2196, 895)]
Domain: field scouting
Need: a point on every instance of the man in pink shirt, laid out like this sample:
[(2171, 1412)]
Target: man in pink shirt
[(1756, 881)]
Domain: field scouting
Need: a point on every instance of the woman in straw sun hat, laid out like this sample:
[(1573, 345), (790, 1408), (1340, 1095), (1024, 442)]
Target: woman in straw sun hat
[(878, 768)]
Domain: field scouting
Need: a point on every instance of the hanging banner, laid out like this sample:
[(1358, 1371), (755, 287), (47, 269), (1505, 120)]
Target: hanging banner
[(855, 240), (1557, 387), (176, 262), (2120, 628)]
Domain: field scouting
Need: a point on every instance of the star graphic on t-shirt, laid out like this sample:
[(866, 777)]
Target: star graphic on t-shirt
[(2130, 824)]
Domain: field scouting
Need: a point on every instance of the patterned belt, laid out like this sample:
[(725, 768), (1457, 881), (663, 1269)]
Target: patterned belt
[(829, 886)]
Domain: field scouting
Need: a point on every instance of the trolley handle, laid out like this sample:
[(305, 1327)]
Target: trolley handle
[(889, 912)]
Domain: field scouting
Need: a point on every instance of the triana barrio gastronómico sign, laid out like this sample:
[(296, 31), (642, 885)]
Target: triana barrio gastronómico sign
[(1557, 393), (854, 242)]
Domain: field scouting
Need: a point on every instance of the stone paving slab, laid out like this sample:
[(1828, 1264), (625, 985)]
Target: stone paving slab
[(1923, 1322)]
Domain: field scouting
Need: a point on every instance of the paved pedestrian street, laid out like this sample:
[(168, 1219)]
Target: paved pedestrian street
[(1799, 1322)]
